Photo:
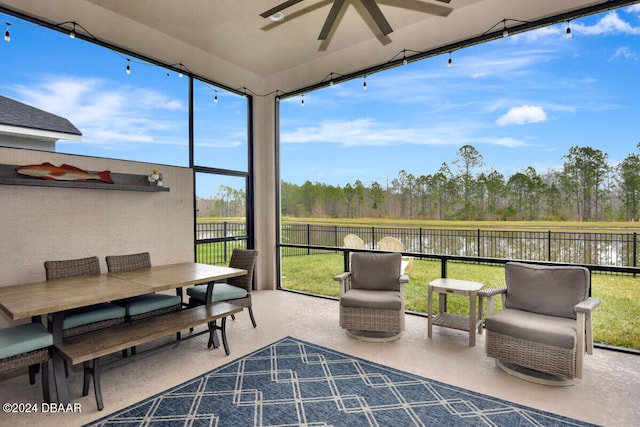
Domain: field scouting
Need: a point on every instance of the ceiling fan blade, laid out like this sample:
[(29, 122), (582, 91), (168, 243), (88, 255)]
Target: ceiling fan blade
[(280, 7), (331, 19), (420, 6), (377, 16)]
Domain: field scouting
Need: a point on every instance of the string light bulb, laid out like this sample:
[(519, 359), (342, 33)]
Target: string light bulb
[(404, 57), (450, 61), (215, 98), (128, 69), (7, 35), (72, 33), (568, 31), (302, 100), (505, 32), (364, 84)]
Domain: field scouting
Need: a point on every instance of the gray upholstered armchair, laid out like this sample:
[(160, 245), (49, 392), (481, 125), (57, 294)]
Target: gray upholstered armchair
[(372, 297), (545, 328)]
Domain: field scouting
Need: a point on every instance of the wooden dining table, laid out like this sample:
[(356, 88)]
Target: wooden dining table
[(53, 297)]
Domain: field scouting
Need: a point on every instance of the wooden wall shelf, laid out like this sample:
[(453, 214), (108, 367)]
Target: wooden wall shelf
[(122, 181)]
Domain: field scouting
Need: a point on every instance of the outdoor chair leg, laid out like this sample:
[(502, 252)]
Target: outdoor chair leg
[(253, 319), (33, 370), (46, 394)]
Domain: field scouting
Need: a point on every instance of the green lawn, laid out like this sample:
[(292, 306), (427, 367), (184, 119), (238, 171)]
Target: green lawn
[(615, 322)]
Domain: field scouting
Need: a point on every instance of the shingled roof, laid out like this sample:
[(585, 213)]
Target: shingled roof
[(14, 113)]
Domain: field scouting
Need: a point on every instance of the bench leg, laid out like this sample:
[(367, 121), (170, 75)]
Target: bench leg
[(92, 369), (96, 383), (87, 372), (223, 329), (213, 336)]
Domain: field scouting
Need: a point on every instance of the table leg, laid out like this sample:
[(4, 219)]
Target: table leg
[(59, 373), (480, 313), (472, 319), (430, 310)]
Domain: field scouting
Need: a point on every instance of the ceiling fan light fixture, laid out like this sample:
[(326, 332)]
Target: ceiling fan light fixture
[(277, 17)]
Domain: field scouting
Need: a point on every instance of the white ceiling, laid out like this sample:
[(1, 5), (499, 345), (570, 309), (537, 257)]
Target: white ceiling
[(228, 42)]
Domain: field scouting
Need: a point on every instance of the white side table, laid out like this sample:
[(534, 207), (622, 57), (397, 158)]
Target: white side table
[(449, 320)]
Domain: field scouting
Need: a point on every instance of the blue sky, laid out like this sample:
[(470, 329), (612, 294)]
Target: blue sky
[(520, 101)]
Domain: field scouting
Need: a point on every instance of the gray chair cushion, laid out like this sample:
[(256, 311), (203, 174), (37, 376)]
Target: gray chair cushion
[(550, 330), (375, 300), (550, 290), (375, 271)]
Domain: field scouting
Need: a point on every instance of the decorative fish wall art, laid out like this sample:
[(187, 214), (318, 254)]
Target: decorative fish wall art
[(63, 172)]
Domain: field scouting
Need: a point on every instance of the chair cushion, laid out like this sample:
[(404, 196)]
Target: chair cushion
[(23, 339), (551, 290), (91, 314), (148, 303), (376, 300), (221, 292), (375, 271), (551, 330)]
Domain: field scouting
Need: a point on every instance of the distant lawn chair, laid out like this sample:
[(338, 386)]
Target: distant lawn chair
[(392, 244), (352, 241)]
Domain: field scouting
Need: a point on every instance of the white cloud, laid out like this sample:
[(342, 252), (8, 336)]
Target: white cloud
[(105, 112), (624, 52), (509, 142), (358, 132), (611, 23), (522, 115)]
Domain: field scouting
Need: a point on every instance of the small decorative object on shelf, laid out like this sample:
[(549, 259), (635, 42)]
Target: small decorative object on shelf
[(155, 178)]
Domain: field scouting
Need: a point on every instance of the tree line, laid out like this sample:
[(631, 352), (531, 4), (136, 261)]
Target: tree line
[(586, 188)]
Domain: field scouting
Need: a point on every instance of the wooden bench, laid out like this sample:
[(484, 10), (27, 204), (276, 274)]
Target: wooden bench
[(88, 348)]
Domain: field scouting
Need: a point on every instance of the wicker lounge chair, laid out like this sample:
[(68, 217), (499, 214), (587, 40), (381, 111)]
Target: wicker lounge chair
[(372, 297), (235, 290), (545, 327)]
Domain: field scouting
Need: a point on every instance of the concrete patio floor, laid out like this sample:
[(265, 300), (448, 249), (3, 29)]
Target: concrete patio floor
[(608, 394)]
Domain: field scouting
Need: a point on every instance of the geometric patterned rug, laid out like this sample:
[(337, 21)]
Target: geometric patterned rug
[(295, 383)]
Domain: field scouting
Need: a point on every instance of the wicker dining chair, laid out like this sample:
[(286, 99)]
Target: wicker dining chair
[(235, 290), (84, 319), (142, 306), (27, 345)]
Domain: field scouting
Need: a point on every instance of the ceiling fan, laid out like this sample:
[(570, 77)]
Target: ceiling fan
[(372, 8)]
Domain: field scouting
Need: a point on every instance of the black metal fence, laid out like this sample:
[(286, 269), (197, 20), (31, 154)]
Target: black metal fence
[(216, 241), (606, 249)]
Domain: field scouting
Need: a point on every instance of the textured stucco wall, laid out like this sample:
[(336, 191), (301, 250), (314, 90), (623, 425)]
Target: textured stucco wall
[(46, 223)]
